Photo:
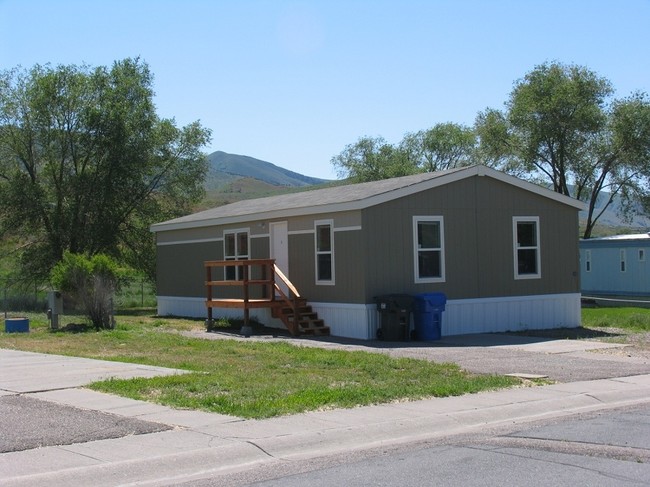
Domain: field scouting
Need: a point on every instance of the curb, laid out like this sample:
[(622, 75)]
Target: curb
[(204, 445)]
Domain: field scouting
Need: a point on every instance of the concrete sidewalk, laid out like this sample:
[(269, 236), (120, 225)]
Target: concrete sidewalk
[(27, 372), (203, 444)]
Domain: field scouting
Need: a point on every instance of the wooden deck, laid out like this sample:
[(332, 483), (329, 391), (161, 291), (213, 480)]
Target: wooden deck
[(239, 303), (288, 305)]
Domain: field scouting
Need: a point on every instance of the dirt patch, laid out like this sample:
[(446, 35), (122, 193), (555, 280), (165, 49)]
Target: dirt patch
[(638, 344)]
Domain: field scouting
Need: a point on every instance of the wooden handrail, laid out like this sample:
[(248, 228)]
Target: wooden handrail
[(290, 298), (286, 281)]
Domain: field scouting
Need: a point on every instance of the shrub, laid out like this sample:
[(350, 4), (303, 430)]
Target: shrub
[(92, 282)]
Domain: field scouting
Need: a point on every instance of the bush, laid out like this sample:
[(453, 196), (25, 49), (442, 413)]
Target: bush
[(92, 282)]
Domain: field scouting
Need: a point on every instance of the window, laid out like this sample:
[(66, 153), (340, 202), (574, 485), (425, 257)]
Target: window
[(429, 251), (641, 255), (622, 260), (588, 260), (235, 247), (324, 252), (526, 247)]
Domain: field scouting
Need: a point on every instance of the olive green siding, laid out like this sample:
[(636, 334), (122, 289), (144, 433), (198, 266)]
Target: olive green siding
[(478, 240), (348, 278), (180, 269), (388, 230), (189, 234), (215, 233), (342, 219), (260, 247), (498, 203)]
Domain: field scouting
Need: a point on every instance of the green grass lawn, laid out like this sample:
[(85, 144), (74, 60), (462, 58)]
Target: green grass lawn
[(248, 379), (635, 320)]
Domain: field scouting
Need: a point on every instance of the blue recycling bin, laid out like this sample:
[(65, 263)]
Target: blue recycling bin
[(427, 315)]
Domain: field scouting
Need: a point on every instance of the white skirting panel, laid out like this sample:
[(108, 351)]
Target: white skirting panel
[(461, 317), (178, 306), (464, 316), (349, 320), (515, 313)]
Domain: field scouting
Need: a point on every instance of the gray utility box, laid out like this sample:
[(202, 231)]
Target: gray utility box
[(55, 308), (395, 317)]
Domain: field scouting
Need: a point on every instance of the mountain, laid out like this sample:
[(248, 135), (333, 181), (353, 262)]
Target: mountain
[(225, 168), (612, 215), (233, 177)]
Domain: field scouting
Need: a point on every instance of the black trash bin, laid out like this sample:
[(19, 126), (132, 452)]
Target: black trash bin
[(395, 313), (427, 315)]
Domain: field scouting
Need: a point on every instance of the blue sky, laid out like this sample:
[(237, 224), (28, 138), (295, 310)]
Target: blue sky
[(293, 82)]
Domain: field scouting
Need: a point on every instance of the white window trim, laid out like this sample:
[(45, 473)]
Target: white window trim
[(587, 260), (318, 223), (416, 264), (234, 232), (526, 219)]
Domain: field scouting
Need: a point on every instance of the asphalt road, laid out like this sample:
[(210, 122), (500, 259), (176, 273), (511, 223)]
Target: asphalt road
[(605, 448)]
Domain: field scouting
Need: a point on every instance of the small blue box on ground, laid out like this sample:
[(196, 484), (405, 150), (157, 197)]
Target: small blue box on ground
[(17, 325)]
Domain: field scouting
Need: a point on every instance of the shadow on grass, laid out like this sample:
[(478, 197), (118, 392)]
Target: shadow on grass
[(137, 312), (234, 326), (74, 328), (455, 341), (578, 333)]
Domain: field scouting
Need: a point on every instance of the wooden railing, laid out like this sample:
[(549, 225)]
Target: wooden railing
[(270, 280)]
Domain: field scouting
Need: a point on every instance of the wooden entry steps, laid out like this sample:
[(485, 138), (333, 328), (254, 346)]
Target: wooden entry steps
[(307, 323)]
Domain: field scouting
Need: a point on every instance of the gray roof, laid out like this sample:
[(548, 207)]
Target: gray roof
[(339, 198)]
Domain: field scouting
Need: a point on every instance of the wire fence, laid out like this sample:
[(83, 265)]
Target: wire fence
[(23, 295), (31, 294)]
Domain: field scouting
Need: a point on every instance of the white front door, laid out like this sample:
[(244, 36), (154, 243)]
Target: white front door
[(280, 248)]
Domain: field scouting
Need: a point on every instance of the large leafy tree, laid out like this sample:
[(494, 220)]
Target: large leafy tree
[(86, 164), (563, 128), (443, 146), (372, 159)]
